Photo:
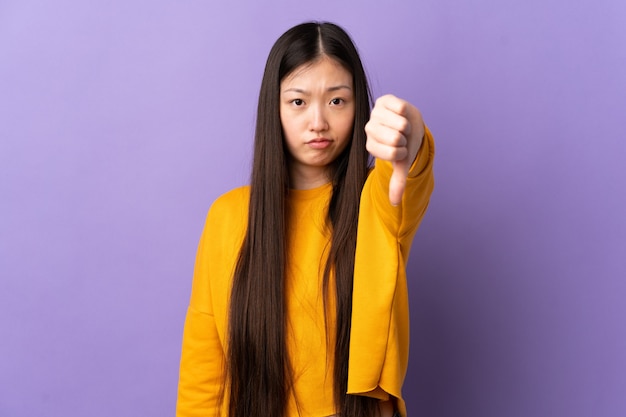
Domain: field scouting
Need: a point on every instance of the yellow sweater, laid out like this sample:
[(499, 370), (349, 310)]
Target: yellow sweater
[(380, 317)]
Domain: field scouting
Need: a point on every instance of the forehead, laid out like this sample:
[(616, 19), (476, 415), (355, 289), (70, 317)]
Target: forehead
[(323, 71)]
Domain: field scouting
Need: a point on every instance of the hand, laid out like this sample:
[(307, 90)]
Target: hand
[(394, 133)]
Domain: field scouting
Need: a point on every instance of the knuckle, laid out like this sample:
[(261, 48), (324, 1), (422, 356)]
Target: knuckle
[(403, 106), (397, 154), (398, 139), (404, 125)]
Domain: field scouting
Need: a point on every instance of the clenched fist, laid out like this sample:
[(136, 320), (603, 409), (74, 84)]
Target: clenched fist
[(394, 133)]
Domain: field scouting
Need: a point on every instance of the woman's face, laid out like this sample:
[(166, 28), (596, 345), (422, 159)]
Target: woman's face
[(317, 116)]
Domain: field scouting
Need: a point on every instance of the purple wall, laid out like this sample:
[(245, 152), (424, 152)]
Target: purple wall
[(121, 121)]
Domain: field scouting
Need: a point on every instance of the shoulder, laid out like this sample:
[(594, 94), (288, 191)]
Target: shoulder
[(231, 198), (230, 207)]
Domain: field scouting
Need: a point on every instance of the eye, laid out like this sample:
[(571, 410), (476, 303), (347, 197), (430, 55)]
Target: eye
[(336, 101), (298, 102)]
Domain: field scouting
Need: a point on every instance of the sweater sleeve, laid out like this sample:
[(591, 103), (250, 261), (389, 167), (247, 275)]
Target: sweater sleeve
[(202, 364), (403, 220), (379, 337), (202, 358)]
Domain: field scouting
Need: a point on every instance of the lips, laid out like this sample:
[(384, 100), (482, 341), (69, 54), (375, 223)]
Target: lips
[(319, 143)]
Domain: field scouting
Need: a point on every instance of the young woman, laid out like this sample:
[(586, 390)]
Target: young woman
[(299, 303)]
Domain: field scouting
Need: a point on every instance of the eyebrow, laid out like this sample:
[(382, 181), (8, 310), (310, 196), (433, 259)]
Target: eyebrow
[(330, 89)]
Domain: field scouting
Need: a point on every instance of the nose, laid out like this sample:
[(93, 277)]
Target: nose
[(318, 121)]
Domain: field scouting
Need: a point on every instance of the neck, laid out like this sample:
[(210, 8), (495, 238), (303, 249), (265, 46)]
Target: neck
[(308, 178)]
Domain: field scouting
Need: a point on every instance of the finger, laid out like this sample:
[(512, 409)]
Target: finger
[(385, 135), (397, 183), (394, 104), (392, 120), (386, 152)]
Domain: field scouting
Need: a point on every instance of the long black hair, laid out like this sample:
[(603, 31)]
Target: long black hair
[(258, 367)]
